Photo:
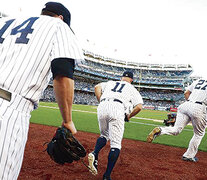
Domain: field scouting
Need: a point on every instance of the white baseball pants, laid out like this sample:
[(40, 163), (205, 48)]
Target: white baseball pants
[(14, 125), (196, 113), (111, 122)]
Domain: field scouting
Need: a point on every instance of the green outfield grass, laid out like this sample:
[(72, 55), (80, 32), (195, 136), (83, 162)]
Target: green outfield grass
[(85, 119)]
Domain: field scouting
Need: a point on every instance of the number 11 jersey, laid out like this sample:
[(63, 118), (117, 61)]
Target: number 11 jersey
[(121, 90)]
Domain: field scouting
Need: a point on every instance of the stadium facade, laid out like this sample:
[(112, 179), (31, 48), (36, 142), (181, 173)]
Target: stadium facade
[(161, 85)]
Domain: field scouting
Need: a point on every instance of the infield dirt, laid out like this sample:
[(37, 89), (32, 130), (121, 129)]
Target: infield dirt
[(137, 161)]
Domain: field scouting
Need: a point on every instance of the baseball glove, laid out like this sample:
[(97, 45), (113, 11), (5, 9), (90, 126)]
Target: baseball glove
[(126, 118), (64, 147), (167, 122)]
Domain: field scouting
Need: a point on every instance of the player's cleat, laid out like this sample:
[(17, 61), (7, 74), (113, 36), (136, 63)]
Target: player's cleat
[(195, 159), (93, 163), (153, 134), (106, 178)]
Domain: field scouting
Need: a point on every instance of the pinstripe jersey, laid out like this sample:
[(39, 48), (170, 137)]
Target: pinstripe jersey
[(111, 113), (27, 47), (193, 110), (122, 91), (198, 91)]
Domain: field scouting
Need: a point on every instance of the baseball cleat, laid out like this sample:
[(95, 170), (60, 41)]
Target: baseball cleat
[(106, 178), (93, 163), (154, 133), (195, 159)]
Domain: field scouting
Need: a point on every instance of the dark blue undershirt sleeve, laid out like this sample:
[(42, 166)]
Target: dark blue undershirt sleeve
[(63, 67)]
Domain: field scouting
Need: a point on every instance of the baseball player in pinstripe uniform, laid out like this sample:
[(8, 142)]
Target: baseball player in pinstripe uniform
[(30, 49), (115, 97), (193, 110)]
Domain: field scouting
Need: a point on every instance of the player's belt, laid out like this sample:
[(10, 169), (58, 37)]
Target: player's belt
[(197, 102), (116, 100), (5, 94)]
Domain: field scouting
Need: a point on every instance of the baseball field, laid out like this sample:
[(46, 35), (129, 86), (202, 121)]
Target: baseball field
[(138, 159)]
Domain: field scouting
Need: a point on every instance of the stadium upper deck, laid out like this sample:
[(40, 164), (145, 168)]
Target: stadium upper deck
[(164, 76), (134, 65)]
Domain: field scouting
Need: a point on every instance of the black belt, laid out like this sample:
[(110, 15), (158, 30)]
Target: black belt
[(5, 94), (197, 102), (116, 100)]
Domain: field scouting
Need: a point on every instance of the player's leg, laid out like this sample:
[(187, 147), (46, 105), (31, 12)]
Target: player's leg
[(103, 127), (199, 125), (116, 131), (181, 121), (13, 132), (112, 159), (101, 141)]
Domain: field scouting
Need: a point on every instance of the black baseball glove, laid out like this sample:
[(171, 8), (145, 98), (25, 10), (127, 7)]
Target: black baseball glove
[(168, 122), (126, 118), (64, 147)]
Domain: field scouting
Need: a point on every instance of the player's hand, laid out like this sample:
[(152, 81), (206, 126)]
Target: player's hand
[(70, 125)]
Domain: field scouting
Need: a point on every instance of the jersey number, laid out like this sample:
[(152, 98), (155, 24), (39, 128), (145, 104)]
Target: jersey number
[(202, 84), (117, 87), (19, 29)]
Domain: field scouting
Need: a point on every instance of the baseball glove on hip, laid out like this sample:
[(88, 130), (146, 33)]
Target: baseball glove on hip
[(64, 147)]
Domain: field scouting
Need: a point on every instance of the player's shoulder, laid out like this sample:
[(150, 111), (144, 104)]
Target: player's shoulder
[(5, 19), (23, 18), (111, 82), (56, 21)]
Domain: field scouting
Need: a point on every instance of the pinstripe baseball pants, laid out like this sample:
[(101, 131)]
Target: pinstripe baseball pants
[(111, 122), (14, 125), (187, 112)]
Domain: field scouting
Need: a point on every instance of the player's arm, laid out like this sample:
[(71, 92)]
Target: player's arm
[(63, 83), (64, 93), (137, 102), (187, 94), (98, 91), (135, 111), (189, 89)]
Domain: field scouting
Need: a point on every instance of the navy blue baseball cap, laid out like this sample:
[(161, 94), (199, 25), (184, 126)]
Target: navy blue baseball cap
[(128, 74), (58, 9)]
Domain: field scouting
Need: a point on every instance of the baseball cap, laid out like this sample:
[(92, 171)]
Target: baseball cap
[(58, 9), (128, 74)]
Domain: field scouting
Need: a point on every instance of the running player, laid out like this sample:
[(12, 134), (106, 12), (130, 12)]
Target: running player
[(114, 98), (194, 110), (30, 49)]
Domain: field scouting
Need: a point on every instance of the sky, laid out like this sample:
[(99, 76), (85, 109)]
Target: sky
[(143, 31)]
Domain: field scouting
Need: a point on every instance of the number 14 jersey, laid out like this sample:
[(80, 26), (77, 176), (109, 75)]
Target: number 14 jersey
[(27, 47)]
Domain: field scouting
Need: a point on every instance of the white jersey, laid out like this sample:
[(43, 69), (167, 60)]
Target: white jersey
[(198, 91), (116, 98), (194, 111), (27, 47), (123, 91)]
